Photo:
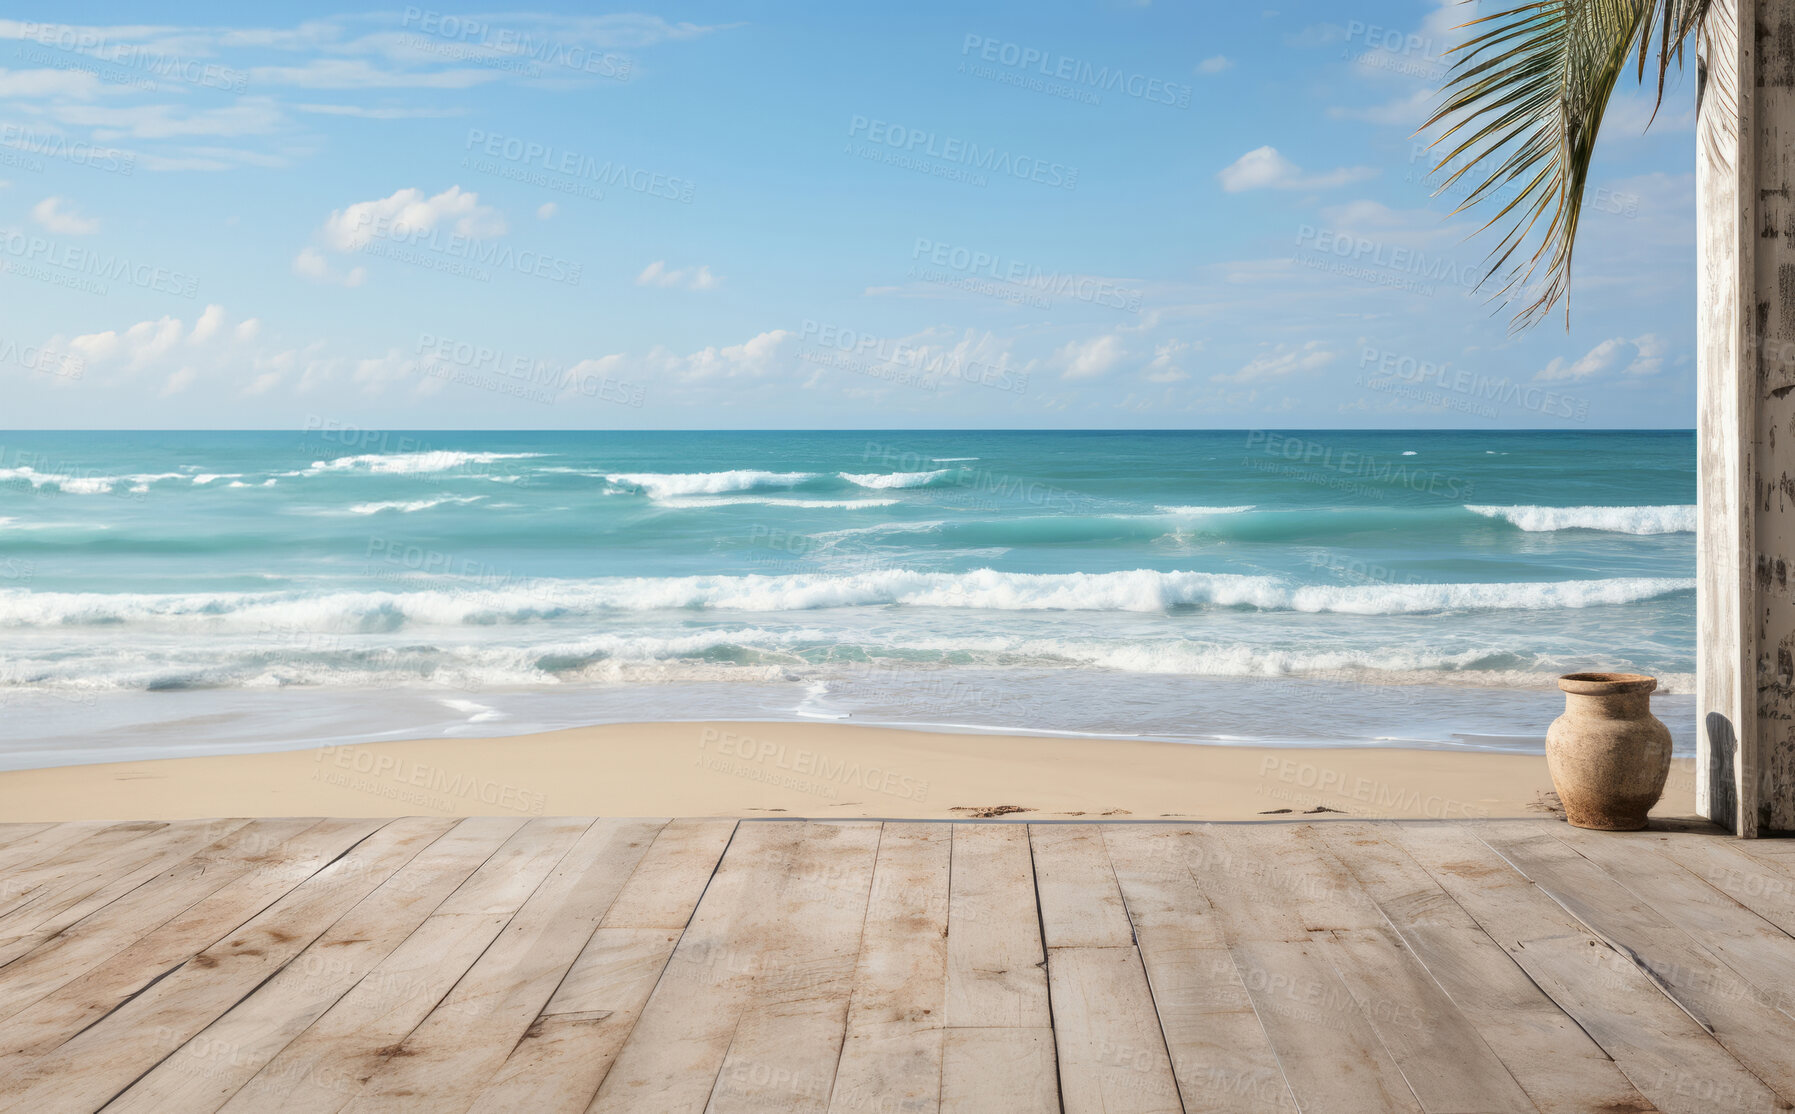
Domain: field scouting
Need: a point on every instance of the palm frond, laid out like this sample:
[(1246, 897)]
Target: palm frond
[(1523, 106)]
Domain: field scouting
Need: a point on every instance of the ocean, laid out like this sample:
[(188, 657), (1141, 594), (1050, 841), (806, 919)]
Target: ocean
[(165, 594)]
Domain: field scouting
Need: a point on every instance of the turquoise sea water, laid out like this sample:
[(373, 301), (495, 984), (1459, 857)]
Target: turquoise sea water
[(166, 593)]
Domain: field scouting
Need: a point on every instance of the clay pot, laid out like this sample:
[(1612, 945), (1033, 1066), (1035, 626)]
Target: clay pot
[(1608, 754)]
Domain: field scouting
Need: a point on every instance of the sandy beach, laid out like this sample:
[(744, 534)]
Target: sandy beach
[(811, 770)]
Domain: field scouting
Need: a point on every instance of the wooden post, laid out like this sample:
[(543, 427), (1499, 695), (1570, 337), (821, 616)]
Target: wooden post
[(1745, 236)]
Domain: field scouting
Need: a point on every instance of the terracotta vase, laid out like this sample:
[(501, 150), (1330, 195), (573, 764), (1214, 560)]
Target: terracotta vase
[(1608, 754)]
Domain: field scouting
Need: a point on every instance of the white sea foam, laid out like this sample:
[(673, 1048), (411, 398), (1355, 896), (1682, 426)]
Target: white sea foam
[(1140, 590), (475, 712), (758, 654), (408, 506), (661, 485), (407, 464), (68, 485), (696, 501), (1679, 519), (882, 480), (951, 459), (1205, 510)]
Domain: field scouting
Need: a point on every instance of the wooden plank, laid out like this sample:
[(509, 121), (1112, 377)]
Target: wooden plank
[(891, 1055), (996, 965), (109, 930), (1423, 1029), (1758, 1035), (1778, 851), (566, 1052), (1106, 1036), (1749, 880), (39, 846), (785, 1050), (1672, 1060), (1220, 1055), (1255, 879), (47, 915), (325, 1066), (1757, 951), (1414, 1019), (74, 863), (81, 1001), (1008, 1070), (668, 881), (1729, 462), (455, 1051), (12, 833), (94, 1065), (1081, 904), (1556, 1063), (671, 1058), (216, 1062), (1111, 1053)]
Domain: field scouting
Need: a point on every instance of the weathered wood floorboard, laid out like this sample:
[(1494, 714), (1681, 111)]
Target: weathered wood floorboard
[(839, 967)]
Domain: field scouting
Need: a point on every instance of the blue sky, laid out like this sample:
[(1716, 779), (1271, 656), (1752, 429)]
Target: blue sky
[(711, 215)]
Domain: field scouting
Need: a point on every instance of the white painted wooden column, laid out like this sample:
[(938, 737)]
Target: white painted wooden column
[(1745, 172)]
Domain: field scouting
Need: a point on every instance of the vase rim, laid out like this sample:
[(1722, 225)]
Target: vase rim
[(1607, 684)]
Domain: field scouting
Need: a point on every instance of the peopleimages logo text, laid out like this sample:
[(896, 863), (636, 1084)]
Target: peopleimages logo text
[(90, 266), (109, 159), (1060, 67), (992, 160), (547, 157)]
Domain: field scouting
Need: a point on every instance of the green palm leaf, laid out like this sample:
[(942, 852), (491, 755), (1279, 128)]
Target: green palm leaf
[(1522, 110)]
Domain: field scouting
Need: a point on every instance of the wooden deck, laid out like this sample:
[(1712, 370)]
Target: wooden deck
[(645, 965)]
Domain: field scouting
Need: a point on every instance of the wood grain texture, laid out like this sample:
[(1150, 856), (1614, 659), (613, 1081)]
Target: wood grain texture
[(1756, 1033), (93, 1065), (1668, 1056), (205, 1072), (1562, 1070), (891, 1054), (1220, 1055), (834, 967), (568, 1050)]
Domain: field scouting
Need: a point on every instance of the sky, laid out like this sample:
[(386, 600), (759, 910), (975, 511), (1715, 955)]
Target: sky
[(1086, 214)]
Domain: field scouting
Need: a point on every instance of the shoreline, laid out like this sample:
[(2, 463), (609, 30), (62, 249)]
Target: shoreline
[(765, 769), (1269, 712)]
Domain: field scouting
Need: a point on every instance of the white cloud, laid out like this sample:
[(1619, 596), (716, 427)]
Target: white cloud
[(166, 121), (547, 210), (1281, 361), (207, 326), (1409, 111), (363, 113), (57, 215), (1086, 359), (165, 356), (753, 358), (356, 73), (138, 346), (147, 343), (1164, 367), (38, 84), (1217, 64), (409, 212), (1264, 168), (1638, 358), (685, 278), (310, 263)]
